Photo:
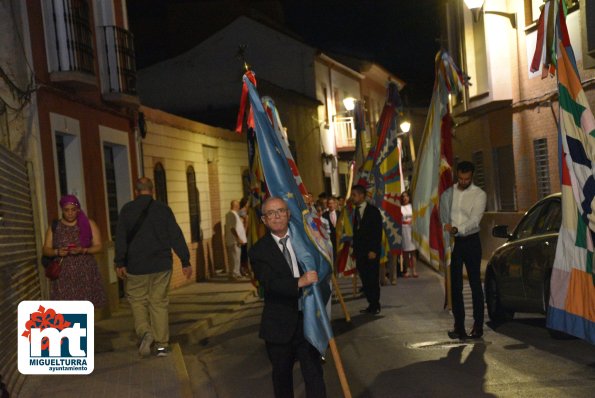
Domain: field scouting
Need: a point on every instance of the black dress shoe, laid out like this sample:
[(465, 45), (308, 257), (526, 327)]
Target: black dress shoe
[(375, 311), (458, 334), (476, 333)]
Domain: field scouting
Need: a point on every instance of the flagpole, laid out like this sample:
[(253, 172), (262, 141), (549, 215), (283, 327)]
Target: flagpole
[(340, 297), (339, 367)]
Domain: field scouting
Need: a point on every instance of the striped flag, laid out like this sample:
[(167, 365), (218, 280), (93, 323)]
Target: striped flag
[(572, 300), (281, 181), (382, 174), (433, 180)]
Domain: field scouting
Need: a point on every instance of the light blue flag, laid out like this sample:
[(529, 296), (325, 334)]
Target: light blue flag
[(281, 182)]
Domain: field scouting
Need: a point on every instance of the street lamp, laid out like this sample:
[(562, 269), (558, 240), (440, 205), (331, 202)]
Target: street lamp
[(349, 103), (405, 126), (476, 8)]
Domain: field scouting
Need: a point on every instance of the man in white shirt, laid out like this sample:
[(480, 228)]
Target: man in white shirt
[(468, 206), (332, 215), (235, 237)]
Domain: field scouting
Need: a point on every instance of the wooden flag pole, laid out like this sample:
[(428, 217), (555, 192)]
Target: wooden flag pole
[(340, 297), (339, 367)]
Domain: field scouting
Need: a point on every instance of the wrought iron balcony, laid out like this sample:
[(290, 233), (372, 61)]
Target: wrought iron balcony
[(69, 41), (118, 72), (344, 128)]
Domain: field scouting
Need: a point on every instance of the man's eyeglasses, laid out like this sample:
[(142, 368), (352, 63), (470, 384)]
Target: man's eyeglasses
[(275, 213)]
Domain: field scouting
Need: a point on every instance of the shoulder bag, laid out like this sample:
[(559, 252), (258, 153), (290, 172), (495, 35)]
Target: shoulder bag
[(136, 227)]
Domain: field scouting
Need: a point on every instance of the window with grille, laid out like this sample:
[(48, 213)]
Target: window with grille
[(61, 157), (160, 184), (193, 204), (479, 173), (111, 188), (505, 178), (542, 170)]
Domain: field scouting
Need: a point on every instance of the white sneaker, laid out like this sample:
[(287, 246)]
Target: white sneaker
[(145, 345), (162, 351)]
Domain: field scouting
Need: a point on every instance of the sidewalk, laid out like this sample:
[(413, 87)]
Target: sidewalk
[(121, 372)]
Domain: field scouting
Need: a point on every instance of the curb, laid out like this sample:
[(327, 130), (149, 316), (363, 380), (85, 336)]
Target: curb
[(197, 332), (181, 371)]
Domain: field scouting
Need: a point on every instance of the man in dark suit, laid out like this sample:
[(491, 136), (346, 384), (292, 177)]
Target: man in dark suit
[(367, 243), (282, 326), (332, 216)]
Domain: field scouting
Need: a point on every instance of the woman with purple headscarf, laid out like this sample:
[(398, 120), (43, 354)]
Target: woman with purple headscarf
[(75, 238)]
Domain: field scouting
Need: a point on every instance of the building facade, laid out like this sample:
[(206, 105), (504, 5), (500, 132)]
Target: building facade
[(197, 170), (308, 87), (507, 119)]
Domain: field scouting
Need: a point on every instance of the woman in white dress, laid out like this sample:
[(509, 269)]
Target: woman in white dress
[(408, 245)]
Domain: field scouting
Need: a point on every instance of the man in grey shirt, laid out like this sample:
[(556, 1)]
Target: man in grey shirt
[(147, 232)]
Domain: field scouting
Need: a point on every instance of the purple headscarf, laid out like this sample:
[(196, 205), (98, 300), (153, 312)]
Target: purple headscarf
[(85, 234)]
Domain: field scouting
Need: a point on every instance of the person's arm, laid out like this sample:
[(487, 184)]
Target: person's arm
[(48, 245), (270, 282), (475, 216)]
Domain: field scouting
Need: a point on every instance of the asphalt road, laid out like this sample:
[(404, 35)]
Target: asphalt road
[(404, 352)]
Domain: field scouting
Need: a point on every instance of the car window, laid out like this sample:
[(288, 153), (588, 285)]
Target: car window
[(552, 217), (529, 223)]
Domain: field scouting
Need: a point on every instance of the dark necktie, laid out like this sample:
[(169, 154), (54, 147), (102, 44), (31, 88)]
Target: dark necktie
[(357, 218), (286, 254)]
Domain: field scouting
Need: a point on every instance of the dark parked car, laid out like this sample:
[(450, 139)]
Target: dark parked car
[(518, 274)]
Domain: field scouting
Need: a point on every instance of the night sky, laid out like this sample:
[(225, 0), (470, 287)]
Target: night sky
[(400, 35)]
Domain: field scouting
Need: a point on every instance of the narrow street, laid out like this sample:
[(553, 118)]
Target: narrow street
[(404, 352)]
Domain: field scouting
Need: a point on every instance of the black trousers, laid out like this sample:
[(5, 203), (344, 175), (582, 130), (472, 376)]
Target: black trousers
[(369, 273), (283, 356), (467, 250)]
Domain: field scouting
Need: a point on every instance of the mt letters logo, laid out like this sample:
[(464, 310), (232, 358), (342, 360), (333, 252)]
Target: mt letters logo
[(56, 337)]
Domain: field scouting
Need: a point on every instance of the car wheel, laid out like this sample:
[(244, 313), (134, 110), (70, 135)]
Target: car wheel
[(496, 312)]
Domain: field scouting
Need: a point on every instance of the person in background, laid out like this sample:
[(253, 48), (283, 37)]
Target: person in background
[(75, 238), (367, 244), (235, 237), (145, 262), (322, 200), (331, 215), (340, 203), (243, 213), (408, 246)]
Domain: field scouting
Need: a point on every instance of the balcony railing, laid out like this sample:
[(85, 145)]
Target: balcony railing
[(344, 128), (119, 63), (69, 39)]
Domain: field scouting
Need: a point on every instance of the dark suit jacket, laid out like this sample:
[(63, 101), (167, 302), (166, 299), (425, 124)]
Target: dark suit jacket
[(368, 237), (281, 293), (327, 216)]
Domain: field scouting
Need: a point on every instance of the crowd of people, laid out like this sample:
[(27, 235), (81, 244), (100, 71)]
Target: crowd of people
[(147, 233)]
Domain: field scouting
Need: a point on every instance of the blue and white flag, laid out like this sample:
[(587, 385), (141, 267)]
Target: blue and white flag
[(281, 182)]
